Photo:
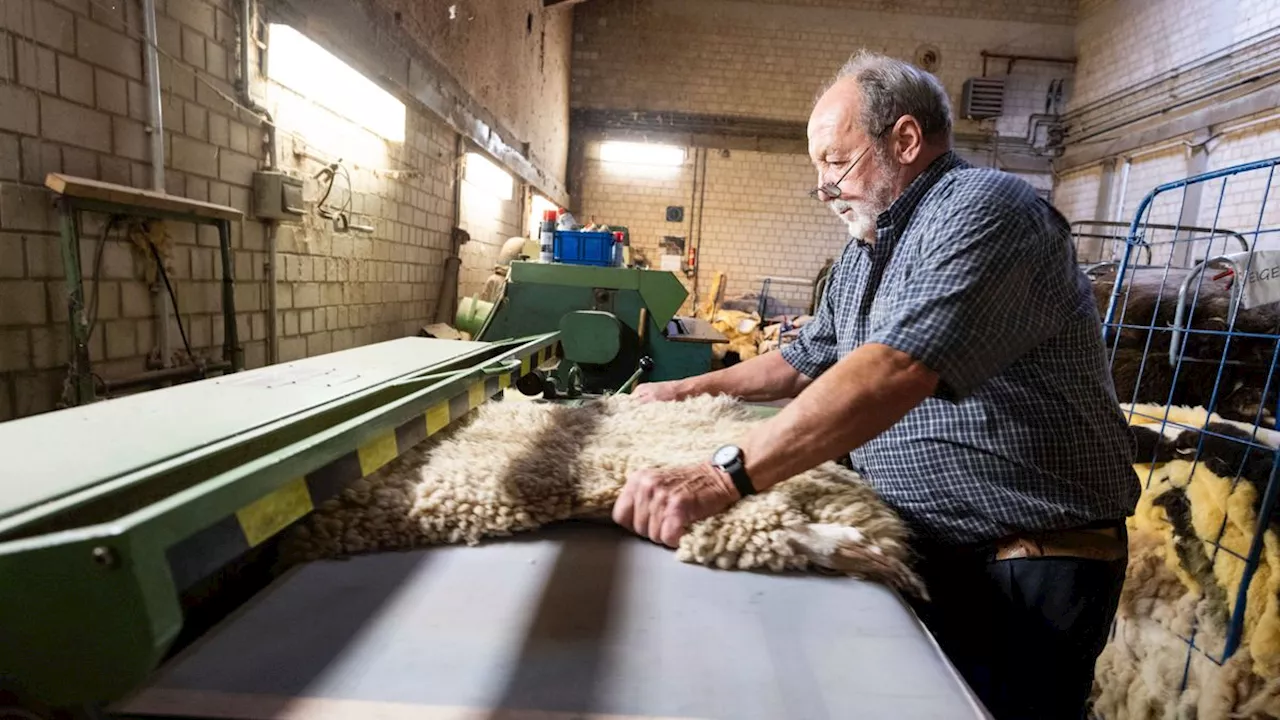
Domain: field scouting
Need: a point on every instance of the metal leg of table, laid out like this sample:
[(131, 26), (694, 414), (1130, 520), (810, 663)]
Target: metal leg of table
[(82, 379), (231, 350)]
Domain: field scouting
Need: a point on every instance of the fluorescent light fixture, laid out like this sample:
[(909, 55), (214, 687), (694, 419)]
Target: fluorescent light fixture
[(314, 73), (632, 153), (481, 172)]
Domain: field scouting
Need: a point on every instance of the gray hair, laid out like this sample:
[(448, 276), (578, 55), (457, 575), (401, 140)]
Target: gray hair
[(892, 88)]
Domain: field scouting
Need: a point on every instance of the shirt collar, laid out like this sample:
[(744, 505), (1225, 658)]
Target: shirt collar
[(890, 223)]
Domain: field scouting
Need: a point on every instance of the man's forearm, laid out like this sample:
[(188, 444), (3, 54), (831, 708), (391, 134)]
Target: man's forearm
[(855, 400), (760, 379)]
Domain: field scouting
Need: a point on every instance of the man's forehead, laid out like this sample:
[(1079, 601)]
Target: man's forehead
[(832, 122)]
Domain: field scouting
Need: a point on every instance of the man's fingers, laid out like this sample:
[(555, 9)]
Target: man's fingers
[(623, 509), (657, 513), (672, 529), (640, 503)]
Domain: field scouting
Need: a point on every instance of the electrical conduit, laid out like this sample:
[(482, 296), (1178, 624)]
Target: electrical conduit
[(155, 120)]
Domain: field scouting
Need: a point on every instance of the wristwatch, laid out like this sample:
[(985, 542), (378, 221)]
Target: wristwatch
[(729, 459)]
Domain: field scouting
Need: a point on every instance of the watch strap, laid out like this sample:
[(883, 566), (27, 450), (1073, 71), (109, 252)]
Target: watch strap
[(737, 472)]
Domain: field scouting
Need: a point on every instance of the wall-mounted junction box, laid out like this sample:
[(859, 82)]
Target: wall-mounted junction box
[(277, 196)]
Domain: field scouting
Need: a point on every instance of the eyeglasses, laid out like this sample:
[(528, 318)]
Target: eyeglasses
[(831, 191)]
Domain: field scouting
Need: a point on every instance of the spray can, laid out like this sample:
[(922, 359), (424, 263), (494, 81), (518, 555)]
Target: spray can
[(546, 249)]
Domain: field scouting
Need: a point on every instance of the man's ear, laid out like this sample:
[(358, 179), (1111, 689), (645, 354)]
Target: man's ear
[(907, 140)]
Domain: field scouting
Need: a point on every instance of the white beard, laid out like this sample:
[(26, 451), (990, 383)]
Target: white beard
[(861, 220), (862, 215)]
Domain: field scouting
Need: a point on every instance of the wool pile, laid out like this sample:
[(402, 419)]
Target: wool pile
[(513, 467), (1141, 368), (1182, 586)]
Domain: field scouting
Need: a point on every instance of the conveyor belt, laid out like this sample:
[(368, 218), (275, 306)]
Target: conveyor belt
[(575, 621)]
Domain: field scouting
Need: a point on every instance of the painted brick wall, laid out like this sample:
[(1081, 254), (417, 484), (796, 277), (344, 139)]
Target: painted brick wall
[(756, 221), (490, 219), (1112, 55), (1244, 197), (767, 59), (1111, 62), (71, 85), (637, 197), (511, 55), (339, 289), (72, 90)]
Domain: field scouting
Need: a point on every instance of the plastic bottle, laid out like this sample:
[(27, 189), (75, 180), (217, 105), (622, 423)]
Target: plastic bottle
[(546, 245), (617, 248)]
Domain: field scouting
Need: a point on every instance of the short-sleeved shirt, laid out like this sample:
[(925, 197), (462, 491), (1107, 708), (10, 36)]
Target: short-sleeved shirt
[(975, 276)]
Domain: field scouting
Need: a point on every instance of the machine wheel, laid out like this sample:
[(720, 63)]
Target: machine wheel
[(532, 384)]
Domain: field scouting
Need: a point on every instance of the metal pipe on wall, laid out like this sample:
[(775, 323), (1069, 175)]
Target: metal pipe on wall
[(1124, 187), (246, 99), (155, 118), (154, 113), (273, 335), (1125, 94)]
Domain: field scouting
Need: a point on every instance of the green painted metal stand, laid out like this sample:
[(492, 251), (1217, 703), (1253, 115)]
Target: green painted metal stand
[(79, 195)]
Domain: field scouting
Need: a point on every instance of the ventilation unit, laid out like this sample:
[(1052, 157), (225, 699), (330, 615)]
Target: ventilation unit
[(983, 98)]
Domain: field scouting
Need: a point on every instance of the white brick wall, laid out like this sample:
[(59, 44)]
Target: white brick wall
[(77, 69), (757, 220), (73, 98), (767, 59), (1110, 61), (490, 221), (1243, 199), (1116, 44)]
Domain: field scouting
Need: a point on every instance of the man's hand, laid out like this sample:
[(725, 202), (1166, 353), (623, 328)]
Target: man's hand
[(662, 504), (657, 392)]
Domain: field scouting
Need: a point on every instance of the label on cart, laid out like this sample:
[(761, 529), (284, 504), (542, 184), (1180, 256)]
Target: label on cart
[(1262, 283)]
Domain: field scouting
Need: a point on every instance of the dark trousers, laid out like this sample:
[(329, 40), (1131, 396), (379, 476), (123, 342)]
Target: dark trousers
[(1024, 633)]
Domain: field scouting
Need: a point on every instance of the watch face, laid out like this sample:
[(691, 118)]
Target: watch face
[(725, 455)]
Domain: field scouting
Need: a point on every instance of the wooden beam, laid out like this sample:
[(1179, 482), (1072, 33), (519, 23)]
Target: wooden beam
[(84, 188)]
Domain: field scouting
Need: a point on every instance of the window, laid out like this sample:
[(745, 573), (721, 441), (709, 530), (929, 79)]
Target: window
[(632, 153), (299, 64), (484, 175)]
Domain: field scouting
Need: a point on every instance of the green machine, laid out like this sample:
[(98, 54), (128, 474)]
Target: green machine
[(610, 320), (122, 522)]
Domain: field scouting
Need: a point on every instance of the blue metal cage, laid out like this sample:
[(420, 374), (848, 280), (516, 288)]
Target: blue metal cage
[(1193, 352)]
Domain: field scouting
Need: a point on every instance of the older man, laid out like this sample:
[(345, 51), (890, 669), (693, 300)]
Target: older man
[(957, 357)]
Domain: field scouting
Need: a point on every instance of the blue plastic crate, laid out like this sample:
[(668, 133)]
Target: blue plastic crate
[(578, 247)]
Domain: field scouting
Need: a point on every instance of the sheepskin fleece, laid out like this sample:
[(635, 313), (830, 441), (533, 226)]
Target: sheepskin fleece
[(517, 465), (1150, 299), (1177, 584)]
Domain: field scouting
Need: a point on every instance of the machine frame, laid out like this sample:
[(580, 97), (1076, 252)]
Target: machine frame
[(96, 573)]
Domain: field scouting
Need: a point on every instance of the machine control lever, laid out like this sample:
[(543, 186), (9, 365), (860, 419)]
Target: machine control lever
[(646, 367)]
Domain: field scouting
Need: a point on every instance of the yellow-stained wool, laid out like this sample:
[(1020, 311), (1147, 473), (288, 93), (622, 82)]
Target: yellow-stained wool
[(1217, 507), (516, 466), (1178, 583)]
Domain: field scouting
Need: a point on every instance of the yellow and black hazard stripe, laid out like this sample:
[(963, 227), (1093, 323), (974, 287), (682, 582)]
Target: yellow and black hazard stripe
[(209, 549)]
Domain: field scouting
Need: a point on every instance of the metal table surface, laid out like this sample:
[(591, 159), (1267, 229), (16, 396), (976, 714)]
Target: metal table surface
[(579, 620)]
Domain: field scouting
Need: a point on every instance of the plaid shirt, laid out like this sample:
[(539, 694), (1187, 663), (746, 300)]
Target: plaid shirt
[(976, 276)]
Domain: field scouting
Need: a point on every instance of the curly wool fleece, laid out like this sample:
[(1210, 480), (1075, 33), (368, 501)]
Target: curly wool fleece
[(515, 466)]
